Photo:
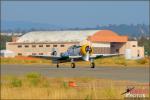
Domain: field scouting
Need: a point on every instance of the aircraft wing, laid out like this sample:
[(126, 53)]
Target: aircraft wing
[(95, 56), (46, 56), (75, 57), (57, 57), (65, 57)]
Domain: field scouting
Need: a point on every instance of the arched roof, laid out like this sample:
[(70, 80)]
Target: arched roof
[(72, 36), (107, 36), (56, 36)]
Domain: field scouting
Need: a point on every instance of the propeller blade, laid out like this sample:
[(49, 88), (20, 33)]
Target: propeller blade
[(87, 56)]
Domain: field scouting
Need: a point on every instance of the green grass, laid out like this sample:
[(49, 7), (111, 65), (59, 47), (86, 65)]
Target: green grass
[(16, 82), (33, 78)]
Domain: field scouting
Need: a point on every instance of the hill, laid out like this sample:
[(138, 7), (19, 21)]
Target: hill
[(123, 29)]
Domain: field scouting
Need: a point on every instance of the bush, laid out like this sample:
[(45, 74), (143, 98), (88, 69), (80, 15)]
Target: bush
[(16, 82), (34, 78), (65, 84), (34, 82), (142, 61), (33, 75)]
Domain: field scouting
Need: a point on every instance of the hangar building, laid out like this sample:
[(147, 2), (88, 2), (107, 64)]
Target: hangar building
[(102, 41)]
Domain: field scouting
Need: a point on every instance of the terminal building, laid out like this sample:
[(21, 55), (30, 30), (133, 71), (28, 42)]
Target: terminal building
[(102, 41)]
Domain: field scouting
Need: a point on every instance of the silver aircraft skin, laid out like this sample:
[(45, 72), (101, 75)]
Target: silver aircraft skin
[(76, 53)]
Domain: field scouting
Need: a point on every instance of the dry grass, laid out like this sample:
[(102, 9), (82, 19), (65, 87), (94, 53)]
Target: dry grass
[(110, 61), (58, 88), (24, 60)]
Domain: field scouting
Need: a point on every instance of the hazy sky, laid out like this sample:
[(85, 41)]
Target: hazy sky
[(77, 13)]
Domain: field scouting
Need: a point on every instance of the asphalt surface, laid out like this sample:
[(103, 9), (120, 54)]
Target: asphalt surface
[(138, 74)]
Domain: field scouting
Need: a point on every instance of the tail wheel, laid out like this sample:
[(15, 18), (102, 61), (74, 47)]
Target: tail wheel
[(73, 65), (54, 53), (92, 65)]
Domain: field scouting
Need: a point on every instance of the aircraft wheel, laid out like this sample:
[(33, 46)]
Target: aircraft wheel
[(73, 65), (92, 65), (57, 65)]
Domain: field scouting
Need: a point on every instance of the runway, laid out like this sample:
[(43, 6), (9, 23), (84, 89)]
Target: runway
[(139, 74)]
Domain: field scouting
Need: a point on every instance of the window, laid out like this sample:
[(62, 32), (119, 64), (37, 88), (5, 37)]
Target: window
[(114, 43), (40, 53), (19, 54), (54, 45), (133, 45), (40, 45), (19, 46), (26, 46), (47, 45), (62, 45), (33, 46), (117, 50), (33, 54), (112, 46), (138, 53)]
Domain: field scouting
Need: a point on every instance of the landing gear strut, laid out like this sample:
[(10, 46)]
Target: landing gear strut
[(57, 65), (92, 63), (72, 63)]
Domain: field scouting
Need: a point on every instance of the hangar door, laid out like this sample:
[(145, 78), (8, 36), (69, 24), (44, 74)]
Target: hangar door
[(101, 48)]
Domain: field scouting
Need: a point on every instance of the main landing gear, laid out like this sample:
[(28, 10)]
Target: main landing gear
[(92, 65), (57, 65), (72, 63)]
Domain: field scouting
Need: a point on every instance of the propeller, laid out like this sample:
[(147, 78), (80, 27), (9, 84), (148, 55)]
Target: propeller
[(86, 51)]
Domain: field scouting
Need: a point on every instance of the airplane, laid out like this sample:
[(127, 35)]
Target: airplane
[(128, 90), (77, 53)]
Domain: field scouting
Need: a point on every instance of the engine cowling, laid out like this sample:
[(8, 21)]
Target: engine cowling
[(86, 49)]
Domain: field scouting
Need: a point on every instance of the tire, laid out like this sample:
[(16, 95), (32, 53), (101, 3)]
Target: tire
[(73, 65), (54, 53), (92, 65), (57, 65)]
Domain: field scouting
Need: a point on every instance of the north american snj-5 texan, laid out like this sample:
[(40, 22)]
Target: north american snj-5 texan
[(76, 53)]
